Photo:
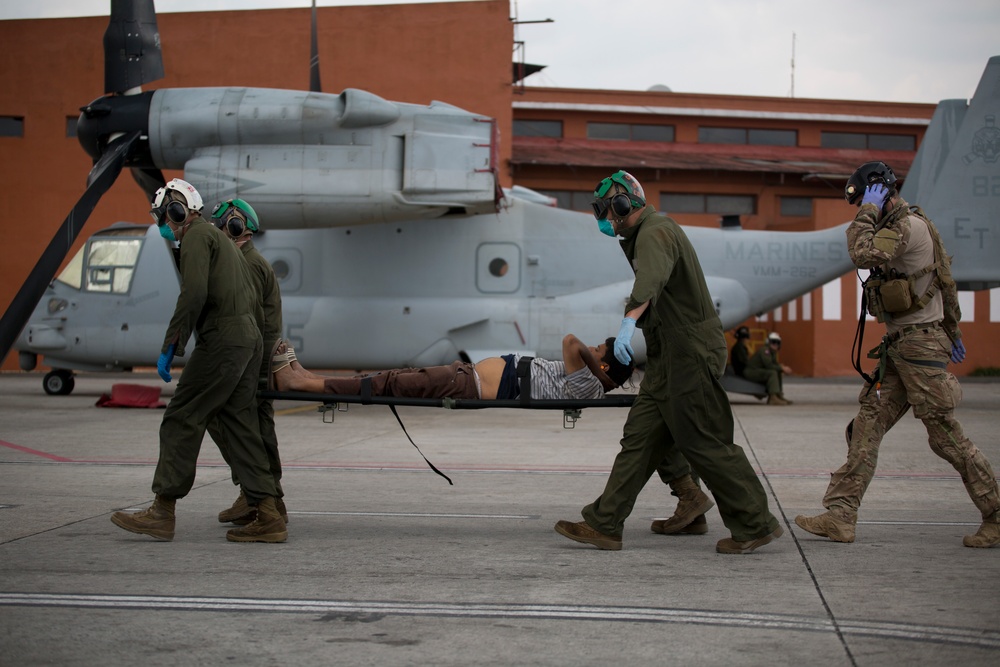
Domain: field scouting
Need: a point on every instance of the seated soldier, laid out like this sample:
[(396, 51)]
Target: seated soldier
[(584, 373), (740, 355), (765, 368)]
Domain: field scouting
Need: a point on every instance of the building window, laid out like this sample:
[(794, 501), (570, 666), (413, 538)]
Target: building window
[(538, 128), (572, 201), (796, 206), (628, 132), (11, 126), (722, 135), (860, 140), (675, 202), (741, 135), (892, 142), (71, 126), (773, 137)]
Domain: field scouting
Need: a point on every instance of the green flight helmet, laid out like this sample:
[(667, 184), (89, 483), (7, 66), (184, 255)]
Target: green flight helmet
[(619, 193), (235, 216)]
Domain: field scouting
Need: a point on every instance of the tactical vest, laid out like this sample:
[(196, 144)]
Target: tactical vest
[(893, 294)]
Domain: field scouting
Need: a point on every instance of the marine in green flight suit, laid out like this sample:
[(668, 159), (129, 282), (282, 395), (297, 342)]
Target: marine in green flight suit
[(218, 304), (239, 221), (681, 407)]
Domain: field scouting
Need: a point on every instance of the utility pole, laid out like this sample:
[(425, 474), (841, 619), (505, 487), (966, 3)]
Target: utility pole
[(793, 64)]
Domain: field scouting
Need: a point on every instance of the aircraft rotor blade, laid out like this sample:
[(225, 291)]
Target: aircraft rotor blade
[(314, 83), (132, 54), (101, 177), (150, 180)]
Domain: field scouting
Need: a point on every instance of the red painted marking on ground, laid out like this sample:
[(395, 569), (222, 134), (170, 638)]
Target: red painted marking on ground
[(34, 452)]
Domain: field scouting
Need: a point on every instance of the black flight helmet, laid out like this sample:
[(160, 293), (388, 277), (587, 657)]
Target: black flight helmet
[(865, 175)]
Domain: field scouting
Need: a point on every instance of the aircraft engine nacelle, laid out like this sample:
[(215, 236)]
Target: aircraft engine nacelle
[(319, 160)]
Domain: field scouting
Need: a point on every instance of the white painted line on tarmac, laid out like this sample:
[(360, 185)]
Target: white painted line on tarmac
[(919, 523), (421, 514), (981, 638)]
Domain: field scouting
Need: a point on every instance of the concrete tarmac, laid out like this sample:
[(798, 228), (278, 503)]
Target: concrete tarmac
[(387, 564)]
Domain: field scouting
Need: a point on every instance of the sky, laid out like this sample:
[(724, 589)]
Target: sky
[(893, 50)]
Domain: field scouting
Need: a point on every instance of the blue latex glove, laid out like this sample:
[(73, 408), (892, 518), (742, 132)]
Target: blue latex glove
[(163, 365), (876, 193), (957, 352), (623, 342)]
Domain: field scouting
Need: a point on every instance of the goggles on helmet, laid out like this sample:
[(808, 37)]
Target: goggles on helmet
[(236, 216), (171, 210), (600, 207)]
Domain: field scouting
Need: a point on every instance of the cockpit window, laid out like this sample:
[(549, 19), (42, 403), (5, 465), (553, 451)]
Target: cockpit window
[(105, 264)]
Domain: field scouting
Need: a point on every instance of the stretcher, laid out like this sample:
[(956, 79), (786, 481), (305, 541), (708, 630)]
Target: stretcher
[(330, 405), (571, 407)]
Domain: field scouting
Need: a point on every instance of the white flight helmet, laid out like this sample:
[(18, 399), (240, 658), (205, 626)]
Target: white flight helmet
[(774, 337), (191, 196)]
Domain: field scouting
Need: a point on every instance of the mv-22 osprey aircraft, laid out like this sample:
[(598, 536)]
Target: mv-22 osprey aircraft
[(392, 242)]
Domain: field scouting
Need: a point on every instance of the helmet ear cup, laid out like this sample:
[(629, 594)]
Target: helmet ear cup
[(236, 226), (621, 205), (176, 212)]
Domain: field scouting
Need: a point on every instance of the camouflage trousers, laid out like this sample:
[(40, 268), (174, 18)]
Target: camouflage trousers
[(916, 376)]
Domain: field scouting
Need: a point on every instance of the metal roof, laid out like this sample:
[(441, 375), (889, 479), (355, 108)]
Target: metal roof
[(807, 161)]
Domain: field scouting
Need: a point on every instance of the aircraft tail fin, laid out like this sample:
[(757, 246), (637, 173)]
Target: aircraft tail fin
[(955, 179)]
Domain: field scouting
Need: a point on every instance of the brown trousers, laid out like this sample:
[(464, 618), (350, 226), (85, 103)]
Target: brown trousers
[(455, 381)]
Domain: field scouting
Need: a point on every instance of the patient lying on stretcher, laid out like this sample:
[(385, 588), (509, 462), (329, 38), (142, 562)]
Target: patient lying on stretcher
[(584, 373)]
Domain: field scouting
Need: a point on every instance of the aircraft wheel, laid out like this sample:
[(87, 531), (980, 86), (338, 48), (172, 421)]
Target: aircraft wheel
[(58, 382)]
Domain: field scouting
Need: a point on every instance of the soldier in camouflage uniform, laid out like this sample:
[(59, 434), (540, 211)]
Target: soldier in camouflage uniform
[(912, 291), (681, 411)]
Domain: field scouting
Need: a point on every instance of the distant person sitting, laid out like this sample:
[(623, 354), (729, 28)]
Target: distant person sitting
[(740, 355), (584, 373), (765, 367)]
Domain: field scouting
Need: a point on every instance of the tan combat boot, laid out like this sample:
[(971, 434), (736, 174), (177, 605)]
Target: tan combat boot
[(731, 546), (988, 534), (691, 505), (240, 513), (581, 531), (157, 520), (267, 525), (836, 524), (776, 399)]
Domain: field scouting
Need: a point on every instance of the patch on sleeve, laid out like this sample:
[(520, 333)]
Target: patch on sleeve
[(886, 241)]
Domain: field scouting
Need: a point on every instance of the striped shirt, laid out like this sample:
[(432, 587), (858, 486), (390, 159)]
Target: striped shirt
[(549, 381)]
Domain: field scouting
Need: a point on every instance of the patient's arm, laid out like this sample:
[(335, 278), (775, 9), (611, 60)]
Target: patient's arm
[(576, 355)]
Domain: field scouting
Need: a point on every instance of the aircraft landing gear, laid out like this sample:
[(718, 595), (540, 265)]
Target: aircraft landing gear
[(58, 382)]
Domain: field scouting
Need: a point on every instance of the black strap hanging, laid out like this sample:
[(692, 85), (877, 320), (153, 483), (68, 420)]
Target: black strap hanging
[(859, 336), (366, 399), (396, 415)]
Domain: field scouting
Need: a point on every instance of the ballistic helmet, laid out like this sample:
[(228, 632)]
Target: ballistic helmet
[(865, 175), (619, 193), (235, 216)]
